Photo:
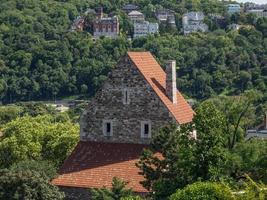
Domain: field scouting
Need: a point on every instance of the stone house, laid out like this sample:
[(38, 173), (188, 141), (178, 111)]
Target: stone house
[(136, 100)]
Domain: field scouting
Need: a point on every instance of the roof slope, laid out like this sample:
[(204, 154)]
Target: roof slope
[(94, 164), (156, 77)]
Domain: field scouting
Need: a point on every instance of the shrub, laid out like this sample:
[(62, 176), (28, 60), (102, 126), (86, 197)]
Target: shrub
[(203, 191)]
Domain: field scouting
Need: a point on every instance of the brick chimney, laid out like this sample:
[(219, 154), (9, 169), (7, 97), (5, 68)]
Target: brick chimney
[(171, 89)]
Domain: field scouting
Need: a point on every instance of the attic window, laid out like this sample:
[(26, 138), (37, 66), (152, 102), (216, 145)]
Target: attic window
[(126, 96), (145, 129), (107, 128)]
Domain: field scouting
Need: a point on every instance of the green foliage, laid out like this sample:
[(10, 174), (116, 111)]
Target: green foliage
[(16, 185), (44, 168), (248, 157), (117, 192), (239, 113), (253, 191), (186, 159), (41, 59), (11, 112), (8, 113), (208, 158), (37, 138), (34, 109), (203, 191)]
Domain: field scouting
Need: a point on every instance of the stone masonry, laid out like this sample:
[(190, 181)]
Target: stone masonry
[(108, 104)]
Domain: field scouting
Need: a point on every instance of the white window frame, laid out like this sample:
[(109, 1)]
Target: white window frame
[(126, 96), (104, 128), (143, 135)]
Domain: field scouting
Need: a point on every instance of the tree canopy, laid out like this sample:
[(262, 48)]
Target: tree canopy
[(36, 138), (42, 59)]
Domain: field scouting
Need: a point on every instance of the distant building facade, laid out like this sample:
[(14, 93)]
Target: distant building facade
[(259, 131), (233, 8), (129, 8), (166, 16), (136, 16), (144, 28), (78, 24), (234, 27), (258, 12), (194, 22), (106, 26)]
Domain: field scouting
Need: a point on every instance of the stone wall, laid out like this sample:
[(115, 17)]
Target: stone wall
[(76, 193), (108, 104), (83, 193)]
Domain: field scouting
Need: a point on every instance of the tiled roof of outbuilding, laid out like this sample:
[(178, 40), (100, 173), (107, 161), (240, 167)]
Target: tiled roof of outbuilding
[(156, 77), (94, 164)]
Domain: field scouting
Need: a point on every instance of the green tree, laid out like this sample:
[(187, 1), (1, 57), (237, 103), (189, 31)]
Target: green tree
[(37, 138), (239, 113), (44, 168), (118, 191), (185, 159), (9, 113), (203, 191), (16, 185)]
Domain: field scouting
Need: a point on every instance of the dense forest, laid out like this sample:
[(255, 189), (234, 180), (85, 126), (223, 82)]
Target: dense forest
[(42, 59), (224, 70)]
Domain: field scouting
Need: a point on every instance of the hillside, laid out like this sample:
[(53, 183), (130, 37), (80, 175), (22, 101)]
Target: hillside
[(41, 59)]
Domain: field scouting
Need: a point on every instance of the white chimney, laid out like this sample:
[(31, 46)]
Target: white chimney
[(171, 89)]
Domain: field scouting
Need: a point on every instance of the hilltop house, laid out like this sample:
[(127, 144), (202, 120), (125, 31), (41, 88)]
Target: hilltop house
[(78, 24), (166, 16), (233, 8), (129, 8), (105, 26), (137, 99), (258, 12), (144, 28), (136, 16), (193, 22)]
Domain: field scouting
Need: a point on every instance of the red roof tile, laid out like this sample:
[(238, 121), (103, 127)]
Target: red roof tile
[(156, 77), (94, 164)]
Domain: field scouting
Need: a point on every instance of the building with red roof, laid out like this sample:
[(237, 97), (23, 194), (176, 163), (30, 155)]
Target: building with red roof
[(137, 99)]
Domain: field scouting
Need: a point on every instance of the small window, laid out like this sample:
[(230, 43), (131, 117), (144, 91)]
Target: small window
[(145, 129), (107, 128), (126, 96)]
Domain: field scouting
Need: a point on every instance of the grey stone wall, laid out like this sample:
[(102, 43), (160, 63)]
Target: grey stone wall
[(83, 193), (76, 193), (107, 104)]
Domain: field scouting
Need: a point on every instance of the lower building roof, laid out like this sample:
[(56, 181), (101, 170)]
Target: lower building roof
[(94, 164)]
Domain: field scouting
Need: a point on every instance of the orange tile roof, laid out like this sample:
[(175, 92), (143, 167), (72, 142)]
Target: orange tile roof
[(156, 77), (94, 164)]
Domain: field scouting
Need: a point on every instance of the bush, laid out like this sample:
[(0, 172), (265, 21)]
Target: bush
[(44, 168), (203, 191), (30, 185), (117, 192)]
